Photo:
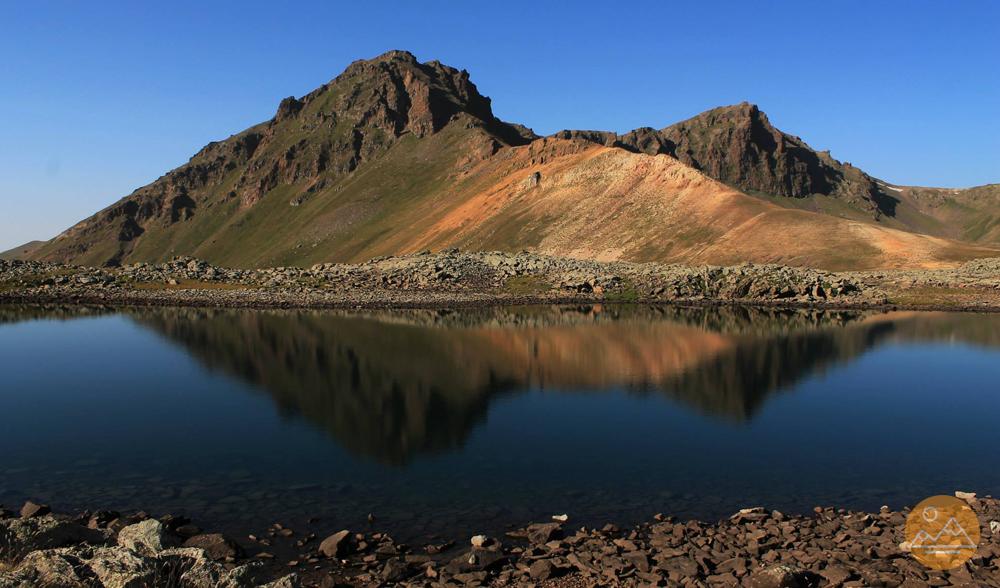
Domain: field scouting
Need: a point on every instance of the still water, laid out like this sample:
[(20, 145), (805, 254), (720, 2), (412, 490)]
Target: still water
[(459, 422)]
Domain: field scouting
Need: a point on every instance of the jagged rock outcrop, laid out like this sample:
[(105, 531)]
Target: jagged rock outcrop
[(738, 145)]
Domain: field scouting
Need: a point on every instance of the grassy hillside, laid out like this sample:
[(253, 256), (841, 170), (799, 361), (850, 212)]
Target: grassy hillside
[(22, 251)]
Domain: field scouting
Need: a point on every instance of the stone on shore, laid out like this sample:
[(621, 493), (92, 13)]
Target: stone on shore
[(31, 510), (217, 546), (780, 576), (339, 544), (147, 537), (21, 536)]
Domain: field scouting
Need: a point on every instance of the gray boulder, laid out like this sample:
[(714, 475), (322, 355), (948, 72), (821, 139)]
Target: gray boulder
[(146, 538)]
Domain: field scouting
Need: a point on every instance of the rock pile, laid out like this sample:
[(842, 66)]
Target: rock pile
[(55, 551), (753, 548), (429, 279)]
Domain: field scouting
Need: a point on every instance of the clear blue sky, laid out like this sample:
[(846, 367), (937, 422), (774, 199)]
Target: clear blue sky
[(99, 98)]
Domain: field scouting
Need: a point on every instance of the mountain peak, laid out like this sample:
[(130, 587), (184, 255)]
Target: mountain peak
[(743, 107), (396, 55), (738, 145), (744, 113), (402, 95)]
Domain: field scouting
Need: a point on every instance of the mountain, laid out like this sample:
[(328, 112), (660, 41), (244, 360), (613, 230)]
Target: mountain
[(739, 146), (395, 156), (241, 192), (22, 251)]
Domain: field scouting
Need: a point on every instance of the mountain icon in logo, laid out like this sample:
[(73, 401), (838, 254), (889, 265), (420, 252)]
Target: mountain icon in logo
[(951, 539), (942, 532)]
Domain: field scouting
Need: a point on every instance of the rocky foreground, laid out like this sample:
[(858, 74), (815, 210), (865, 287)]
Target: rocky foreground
[(754, 547), (446, 278)]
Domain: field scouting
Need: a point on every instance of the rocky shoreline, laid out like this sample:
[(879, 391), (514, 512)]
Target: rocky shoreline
[(754, 547), (452, 278)]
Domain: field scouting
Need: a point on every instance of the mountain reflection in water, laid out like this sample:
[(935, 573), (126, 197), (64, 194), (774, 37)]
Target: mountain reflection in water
[(393, 385), (463, 422)]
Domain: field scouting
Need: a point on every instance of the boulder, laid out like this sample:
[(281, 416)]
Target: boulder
[(289, 581), (541, 533), (20, 536), (31, 510), (338, 545), (102, 518), (542, 569), (121, 568), (147, 537), (217, 546), (44, 568), (395, 570), (117, 567)]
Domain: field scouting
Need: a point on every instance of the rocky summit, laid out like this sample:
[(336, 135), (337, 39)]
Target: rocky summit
[(395, 156), (739, 146)]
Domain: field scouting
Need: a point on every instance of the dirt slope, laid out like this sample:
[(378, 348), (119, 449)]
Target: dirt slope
[(566, 197)]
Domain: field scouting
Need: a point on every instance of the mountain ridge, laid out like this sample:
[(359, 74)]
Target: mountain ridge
[(738, 145), (383, 158)]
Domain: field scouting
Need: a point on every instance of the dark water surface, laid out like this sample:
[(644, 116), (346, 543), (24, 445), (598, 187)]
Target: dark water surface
[(463, 422)]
